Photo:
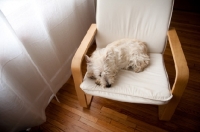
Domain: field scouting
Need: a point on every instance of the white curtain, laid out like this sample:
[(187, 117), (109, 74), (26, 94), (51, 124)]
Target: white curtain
[(38, 39)]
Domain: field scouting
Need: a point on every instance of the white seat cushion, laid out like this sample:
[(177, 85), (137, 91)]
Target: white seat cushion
[(148, 87)]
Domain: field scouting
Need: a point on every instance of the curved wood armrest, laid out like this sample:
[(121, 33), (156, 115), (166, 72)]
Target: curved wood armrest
[(77, 61), (182, 75), (182, 71), (83, 48)]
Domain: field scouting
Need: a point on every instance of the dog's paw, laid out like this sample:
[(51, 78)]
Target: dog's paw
[(137, 70), (92, 77), (97, 82)]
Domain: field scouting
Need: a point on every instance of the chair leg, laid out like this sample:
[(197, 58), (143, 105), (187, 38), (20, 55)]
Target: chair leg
[(166, 111), (84, 99), (89, 99), (81, 97)]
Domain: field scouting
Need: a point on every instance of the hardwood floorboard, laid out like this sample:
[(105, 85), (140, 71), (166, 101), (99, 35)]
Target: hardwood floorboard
[(108, 115), (52, 127), (128, 128), (110, 126), (192, 18), (63, 119)]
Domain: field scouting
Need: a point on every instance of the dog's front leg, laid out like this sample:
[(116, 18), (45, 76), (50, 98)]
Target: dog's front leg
[(97, 82)]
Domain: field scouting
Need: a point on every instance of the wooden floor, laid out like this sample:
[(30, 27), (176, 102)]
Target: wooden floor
[(105, 115)]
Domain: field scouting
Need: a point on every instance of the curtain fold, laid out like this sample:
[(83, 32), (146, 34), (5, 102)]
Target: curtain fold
[(37, 42)]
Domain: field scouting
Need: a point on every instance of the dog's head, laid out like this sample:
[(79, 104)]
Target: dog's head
[(99, 69)]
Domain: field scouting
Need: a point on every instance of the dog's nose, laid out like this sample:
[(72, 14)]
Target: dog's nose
[(108, 85)]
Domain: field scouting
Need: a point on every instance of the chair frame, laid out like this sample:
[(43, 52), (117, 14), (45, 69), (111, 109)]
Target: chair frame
[(182, 72)]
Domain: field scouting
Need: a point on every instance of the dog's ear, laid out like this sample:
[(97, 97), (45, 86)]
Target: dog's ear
[(87, 58)]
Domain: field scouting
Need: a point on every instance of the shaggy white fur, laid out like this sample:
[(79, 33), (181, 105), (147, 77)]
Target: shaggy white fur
[(105, 63)]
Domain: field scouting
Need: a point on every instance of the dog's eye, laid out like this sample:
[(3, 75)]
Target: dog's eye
[(100, 74)]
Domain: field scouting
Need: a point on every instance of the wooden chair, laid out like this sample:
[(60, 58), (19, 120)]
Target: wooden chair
[(147, 21)]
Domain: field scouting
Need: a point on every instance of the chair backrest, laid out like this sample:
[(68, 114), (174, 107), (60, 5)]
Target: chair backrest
[(145, 20)]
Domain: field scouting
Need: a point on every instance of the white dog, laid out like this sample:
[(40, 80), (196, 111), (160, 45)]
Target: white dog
[(105, 63)]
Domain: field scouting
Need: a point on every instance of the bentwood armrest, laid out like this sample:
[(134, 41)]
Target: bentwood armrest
[(181, 79), (182, 71), (77, 61)]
